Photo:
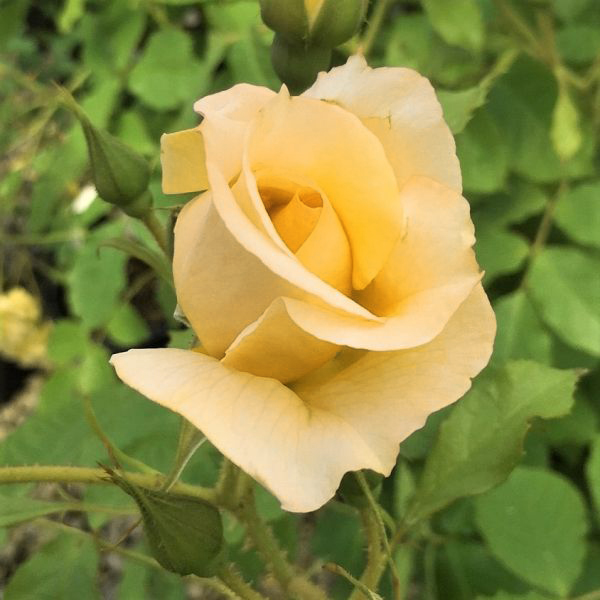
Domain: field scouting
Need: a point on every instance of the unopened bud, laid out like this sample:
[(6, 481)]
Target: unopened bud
[(298, 65), (325, 23), (336, 21), (120, 174)]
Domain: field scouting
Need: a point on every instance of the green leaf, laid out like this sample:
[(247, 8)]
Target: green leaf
[(578, 213), (521, 201), (578, 44), (404, 488), (185, 534), (500, 251), (94, 271), (565, 131), (522, 105), (71, 13), (60, 410), (167, 75), (577, 428), (17, 509), (482, 439), (126, 327), (483, 154), (535, 523), (592, 472), (64, 568), (154, 259), (569, 9), (564, 285), (133, 129), (67, 342), (459, 105), (466, 569), (509, 596), (462, 25), (520, 332), (110, 37)]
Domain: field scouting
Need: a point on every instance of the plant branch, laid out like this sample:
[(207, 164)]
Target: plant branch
[(375, 556), (157, 230), (268, 547), (374, 26), (61, 474), (237, 585)]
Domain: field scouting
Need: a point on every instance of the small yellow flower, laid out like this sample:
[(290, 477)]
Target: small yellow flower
[(23, 337), (328, 272)]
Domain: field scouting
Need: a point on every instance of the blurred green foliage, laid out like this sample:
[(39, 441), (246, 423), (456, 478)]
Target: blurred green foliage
[(519, 81)]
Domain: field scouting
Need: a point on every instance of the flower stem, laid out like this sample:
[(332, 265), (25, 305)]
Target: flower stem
[(376, 558), (374, 25), (157, 230), (362, 482), (38, 474), (268, 547), (237, 585)]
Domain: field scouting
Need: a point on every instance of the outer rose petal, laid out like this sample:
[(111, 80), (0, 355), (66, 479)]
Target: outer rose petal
[(183, 162), (227, 115), (300, 449), (400, 107)]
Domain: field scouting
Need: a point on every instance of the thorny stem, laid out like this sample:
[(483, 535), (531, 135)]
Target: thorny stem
[(60, 474), (375, 509), (262, 536), (229, 576), (375, 556)]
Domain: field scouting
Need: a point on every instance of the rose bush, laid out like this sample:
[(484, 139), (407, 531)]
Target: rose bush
[(328, 273)]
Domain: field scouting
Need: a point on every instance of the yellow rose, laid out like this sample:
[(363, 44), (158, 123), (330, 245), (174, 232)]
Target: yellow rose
[(328, 272)]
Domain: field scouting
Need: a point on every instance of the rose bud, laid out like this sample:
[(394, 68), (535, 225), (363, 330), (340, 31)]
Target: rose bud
[(326, 23)]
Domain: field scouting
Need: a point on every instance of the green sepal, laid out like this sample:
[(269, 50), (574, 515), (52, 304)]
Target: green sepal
[(185, 534)]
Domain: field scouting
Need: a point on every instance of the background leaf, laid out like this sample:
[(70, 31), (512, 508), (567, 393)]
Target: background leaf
[(535, 524), (481, 441)]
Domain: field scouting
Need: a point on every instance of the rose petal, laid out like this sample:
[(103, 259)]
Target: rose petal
[(400, 107), (182, 158), (428, 275), (226, 281), (388, 395), (325, 253), (274, 346), (331, 147), (226, 118), (300, 449)]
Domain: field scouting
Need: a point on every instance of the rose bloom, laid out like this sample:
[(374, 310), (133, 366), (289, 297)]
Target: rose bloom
[(328, 273)]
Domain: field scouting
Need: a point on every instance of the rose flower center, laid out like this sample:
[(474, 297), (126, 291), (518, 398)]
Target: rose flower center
[(294, 211), (308, 225)]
